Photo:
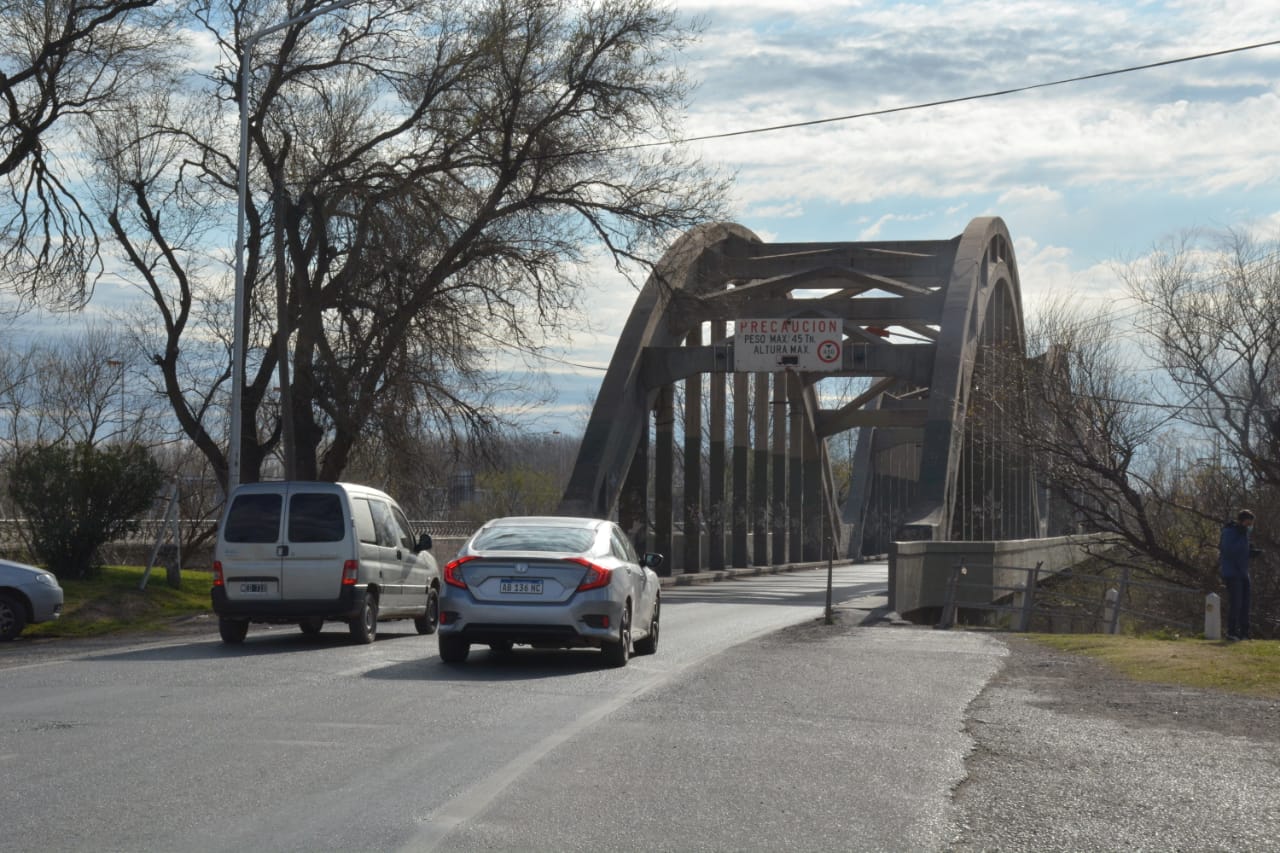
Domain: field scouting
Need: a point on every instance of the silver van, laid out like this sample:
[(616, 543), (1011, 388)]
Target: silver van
[(307, 552)]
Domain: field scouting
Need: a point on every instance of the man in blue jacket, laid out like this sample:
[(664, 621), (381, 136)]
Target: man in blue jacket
[(1234, 550)]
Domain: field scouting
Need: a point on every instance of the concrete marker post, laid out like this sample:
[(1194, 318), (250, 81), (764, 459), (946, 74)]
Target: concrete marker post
[(1212, 617), (1111, 613)]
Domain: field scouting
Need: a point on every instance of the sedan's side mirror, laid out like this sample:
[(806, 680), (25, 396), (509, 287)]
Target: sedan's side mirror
[(424, 542), (651, 560)]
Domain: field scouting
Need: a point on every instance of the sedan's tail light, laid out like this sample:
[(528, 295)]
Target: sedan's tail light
[(452, 576), (596, 576), (217, 573), (350, 572)]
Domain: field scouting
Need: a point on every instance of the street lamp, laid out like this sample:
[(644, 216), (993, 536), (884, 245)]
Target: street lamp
[(239, 333)]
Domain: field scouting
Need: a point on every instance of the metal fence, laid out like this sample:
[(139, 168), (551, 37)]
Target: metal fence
[(1068, 601), (151, 529)]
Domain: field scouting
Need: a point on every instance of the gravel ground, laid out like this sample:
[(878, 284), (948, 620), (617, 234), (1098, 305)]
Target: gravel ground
[(1069, 755)]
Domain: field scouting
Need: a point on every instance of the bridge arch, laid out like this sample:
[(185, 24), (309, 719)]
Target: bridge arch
[(923, 321)]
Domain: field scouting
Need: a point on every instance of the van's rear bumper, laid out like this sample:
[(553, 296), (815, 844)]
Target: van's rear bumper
[(345, 607)]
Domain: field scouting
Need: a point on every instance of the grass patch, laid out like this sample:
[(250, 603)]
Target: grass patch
[(1251, 668), (111, 602)]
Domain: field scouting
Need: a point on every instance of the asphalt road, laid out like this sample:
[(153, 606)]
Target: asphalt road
[(732, 737)]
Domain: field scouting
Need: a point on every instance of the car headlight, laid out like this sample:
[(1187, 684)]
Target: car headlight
[(46, 579)]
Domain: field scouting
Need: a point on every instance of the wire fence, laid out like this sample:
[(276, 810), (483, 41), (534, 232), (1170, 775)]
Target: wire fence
[(1025, 598), (148, 529)]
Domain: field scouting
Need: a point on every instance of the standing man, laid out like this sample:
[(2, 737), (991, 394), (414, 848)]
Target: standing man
[(1234, 550)]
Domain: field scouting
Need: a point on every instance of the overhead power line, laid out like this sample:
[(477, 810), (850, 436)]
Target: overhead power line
[(958, 100)]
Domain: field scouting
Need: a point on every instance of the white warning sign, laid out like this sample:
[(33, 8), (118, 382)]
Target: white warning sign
[(809, 344)]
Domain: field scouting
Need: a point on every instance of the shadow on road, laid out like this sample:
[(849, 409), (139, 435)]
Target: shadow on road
[(483, 665), (256, 645)]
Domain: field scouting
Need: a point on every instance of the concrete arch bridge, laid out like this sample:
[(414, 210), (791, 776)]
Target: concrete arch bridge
[(745, 366)]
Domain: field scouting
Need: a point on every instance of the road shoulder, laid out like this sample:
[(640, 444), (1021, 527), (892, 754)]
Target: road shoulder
[(1071, 755)]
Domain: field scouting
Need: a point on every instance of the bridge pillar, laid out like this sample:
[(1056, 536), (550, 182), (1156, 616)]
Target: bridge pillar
[(815, 520), (779, 513), (693, 463), (633, 503), (664, 473), (795, 472), (741, 437), (760, 484), (716, 510)]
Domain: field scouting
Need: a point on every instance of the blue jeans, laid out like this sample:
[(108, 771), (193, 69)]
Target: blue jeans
[(1238, 591)]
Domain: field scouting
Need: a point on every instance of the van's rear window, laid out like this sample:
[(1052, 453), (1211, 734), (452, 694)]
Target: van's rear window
[(253, 518), (315, 518)]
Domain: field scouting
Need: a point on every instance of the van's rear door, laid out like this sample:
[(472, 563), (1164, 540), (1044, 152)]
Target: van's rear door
[(251, 546), (318, 541)]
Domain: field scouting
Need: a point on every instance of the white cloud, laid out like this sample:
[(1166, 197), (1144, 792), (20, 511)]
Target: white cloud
[(1039, 194)]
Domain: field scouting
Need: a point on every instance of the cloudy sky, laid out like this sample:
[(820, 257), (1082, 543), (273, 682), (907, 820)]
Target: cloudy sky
[(1085, 175)]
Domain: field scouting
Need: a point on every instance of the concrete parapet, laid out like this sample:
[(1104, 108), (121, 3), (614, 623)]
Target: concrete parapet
[(918, 571)]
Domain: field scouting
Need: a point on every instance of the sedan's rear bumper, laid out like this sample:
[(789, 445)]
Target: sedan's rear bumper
[(572, 623)]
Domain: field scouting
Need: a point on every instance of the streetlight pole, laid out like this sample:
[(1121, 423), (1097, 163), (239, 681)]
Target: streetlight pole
[(115, 362), (240, 321)]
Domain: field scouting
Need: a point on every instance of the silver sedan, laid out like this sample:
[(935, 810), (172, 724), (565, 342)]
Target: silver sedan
[(550, 582)]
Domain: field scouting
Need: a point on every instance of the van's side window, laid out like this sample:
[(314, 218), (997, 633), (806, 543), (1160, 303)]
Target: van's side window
[(315, 518), (365, 528), (253, 518), (388, 537), (407, 538)]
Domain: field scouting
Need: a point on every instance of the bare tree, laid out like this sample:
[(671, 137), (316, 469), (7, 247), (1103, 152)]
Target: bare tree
[(425, 180), (77, 390), (1099, 444), (1211, 305), (61, 61)]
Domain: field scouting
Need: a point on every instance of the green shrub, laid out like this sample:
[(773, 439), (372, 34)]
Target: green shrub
[(77, 497)]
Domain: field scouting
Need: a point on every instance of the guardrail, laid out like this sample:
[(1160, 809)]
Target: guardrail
[(1020, 603)]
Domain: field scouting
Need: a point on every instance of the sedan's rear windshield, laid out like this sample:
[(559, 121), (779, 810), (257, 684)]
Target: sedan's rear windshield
[(574, 540)]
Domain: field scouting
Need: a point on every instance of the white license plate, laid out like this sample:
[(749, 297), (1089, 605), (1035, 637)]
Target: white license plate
[(521, 588), (249, 588)]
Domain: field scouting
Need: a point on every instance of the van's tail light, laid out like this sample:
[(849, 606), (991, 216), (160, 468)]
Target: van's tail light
[(596, 576), (217, 573), (452, 575), (350, 571)]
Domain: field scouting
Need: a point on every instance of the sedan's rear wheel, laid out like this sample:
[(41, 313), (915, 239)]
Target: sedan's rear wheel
[(233, 631), (364, 628), (649, 644), (453, 649), (617, 654)]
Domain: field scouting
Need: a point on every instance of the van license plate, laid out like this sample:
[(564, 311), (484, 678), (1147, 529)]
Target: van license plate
[(253, 587), (513, 587)]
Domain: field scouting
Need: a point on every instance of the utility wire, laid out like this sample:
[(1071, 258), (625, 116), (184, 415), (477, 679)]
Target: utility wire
[(946, 101)]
